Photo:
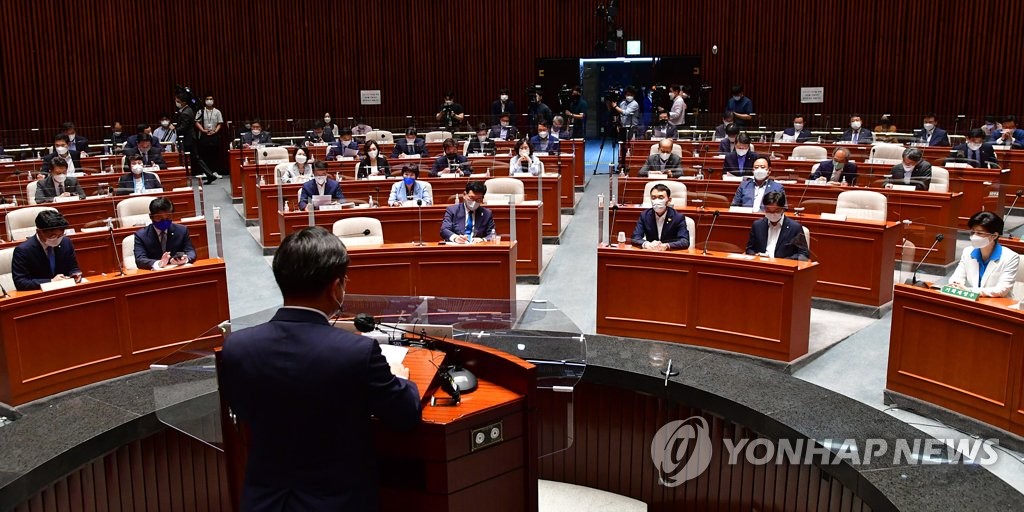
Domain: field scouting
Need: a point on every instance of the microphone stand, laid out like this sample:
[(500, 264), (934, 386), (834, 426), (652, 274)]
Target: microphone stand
[(419, 221), (714, 218), (113, 243), (913, 280)]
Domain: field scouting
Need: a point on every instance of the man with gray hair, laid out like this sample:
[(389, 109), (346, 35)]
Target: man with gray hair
[(837, 169), (914, 170)]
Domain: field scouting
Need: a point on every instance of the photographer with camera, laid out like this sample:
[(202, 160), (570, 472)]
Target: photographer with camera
[(450, 113), (628, 112), (576, 111)]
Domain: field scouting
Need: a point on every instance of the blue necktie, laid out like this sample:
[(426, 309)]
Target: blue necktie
[(469, 223), (53, 260)]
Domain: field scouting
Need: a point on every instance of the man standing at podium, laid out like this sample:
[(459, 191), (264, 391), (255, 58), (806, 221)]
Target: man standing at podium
[(660, 228), (47, 256), (307, 390), (776, 235)]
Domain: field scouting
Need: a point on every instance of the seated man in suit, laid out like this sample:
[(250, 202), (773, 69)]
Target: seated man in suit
[(344, 146), (61, 151), (837, 170), (975, 152), (319, 134), (661, 228), (410, 188), (857, 134), (559, 129), (451, 162), (136, 180), (751, 192), (256, 136), (481, 144), (47, 256), (727, 119), (663, 161), (741, 161), (914, 170), (151, 156), (1008, 134), (409, 146), (143, 131), (76, 142), (468, 221), (317, 456), (728, 143), (162, 243), (931, 134), (504, 129), (776, 235), (58, 184), (320, 185), (543, 141), (662, 129), (798, 132), (986, 266)]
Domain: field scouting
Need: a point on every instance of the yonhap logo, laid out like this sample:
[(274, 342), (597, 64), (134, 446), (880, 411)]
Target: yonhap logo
[(681, 450)]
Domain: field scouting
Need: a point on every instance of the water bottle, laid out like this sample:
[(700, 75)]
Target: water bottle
[(287, 207), (492, 236), (263, 181), (844, 182), (371, 202)]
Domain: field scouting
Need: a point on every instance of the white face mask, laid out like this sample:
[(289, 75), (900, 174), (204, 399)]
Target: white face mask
[(137, 169), (53, 242), (542, 135), (471, 205), (410, 140), (503, 97), (742, 152), (979, 242), (973, 146), (327, 119), (300, 159), (524, 152), (665, 155), (320, 180), (798, 126), (62, 150), (855, 125), (257, 132), (481, 138), (60, 178), (165, 123), (737, 97), (629, 98), (659, 205), (774, 218), (929, 127), (504, 124), (760, 174), (209, 103), (372, 154), (908, 168)]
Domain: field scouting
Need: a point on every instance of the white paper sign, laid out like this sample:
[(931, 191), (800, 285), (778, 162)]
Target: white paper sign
[(812, 95), (368, 97)]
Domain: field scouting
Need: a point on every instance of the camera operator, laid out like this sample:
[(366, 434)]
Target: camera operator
[(450, 113), (576, 112), (538, 111), (628, 110)]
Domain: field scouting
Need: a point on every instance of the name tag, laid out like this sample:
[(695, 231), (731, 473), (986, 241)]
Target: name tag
[(959, 293), (57, 285)]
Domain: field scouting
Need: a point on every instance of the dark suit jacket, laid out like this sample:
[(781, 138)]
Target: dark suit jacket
[(79, 144), (419, 147), (454, 222), (961, 153), (382, 167), (486, 147), (47, 166), (126, 183), (674, 232), (939, 137), (250, 139), (314, 454), (725, 146), (133, 142), (653, 163), (826, 167), (549, 144), (865, 136), (510, 109), (337, 149), (147, 245), (791, 244), (511, 133), (803, 136), (153, 156), (309, 189), (669, 130), (732, 164), (30, 266), (441, 163), (920, 176), (327, 136), (46, 190)]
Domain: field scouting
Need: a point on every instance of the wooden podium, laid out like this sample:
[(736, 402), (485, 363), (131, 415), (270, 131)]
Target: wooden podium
[(752, 305), (442, 465)]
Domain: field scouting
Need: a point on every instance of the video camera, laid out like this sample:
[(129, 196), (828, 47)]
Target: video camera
[(659, 97), (612, 94), (531, 92), (191, 99)]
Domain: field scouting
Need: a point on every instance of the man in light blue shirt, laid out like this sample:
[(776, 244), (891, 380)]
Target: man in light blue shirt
[(628, 110)]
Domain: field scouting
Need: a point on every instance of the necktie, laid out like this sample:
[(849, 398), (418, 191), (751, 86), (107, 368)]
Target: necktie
[(60, 189), (977, 157), (53, 260), (469, 223), (835, 175), (163, 242), (854, 138)]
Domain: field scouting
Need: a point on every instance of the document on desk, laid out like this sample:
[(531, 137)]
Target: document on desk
[(393, 353)]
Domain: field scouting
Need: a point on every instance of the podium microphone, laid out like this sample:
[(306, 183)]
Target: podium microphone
[(611, 225), (113, 245), (1019, 193), (798, 209), (913, 280), (714, 218), (419, 221)]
